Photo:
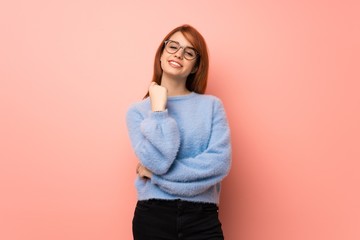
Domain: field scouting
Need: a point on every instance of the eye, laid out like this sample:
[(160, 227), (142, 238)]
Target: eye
[(173, 45), (190, 53)]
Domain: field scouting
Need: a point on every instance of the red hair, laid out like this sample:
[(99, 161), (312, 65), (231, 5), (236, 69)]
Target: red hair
[(196, 81)]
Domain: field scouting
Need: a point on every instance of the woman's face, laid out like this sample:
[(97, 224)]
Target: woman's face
[(175, 64)]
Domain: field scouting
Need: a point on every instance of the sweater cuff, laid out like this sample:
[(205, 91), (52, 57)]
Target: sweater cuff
[(159, 115)]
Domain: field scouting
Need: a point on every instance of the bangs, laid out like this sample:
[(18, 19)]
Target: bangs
[(190, 37)]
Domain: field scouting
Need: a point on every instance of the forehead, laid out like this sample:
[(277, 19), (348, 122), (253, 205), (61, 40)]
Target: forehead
[(179, 37)]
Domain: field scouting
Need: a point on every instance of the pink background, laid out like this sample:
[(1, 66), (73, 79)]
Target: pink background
[(287, 72)]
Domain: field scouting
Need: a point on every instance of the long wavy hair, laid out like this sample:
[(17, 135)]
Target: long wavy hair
[(196, 81)]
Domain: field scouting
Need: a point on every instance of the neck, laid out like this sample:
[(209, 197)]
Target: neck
[(174, 86)]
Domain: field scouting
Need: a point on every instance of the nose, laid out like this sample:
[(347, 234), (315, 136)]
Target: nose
[(180, 53)]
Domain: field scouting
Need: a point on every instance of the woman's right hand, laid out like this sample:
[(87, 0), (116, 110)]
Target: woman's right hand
[(158, 97)]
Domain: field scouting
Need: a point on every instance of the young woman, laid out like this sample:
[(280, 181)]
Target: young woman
[(181, 138)]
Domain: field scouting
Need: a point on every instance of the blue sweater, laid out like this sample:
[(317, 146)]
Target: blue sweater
[(186, 147)]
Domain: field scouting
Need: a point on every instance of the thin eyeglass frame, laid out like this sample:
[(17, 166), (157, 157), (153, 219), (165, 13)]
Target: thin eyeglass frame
[(183, 47)]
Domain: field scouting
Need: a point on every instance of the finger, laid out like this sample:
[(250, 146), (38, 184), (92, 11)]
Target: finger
[(153, 84), (141, 170), (138, 167)]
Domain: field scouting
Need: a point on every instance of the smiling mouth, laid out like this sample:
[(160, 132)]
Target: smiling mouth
[(175, 64)]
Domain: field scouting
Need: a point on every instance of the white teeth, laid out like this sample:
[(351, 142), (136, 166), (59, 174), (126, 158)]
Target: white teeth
[(175, 63)]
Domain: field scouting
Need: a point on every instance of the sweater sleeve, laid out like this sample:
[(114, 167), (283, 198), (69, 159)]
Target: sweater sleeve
[(155, 139), (191, 176)]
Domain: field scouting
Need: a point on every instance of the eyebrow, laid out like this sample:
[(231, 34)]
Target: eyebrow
[(181, 45)]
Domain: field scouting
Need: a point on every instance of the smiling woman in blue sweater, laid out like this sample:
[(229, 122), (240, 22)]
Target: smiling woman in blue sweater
[(181, 138)]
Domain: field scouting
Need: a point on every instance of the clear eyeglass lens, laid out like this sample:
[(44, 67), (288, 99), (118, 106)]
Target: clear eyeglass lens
[(172, 47), (190, 53)]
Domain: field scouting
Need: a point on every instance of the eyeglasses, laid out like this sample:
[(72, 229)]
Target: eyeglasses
[(173, 46)]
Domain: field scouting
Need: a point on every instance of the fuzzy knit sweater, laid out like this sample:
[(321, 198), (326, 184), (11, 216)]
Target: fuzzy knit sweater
[(186, 147)]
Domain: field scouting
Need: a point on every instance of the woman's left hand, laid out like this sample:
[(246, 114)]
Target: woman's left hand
[(143, 171)]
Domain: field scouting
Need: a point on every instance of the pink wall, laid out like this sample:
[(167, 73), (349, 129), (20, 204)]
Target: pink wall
[(288, 74)]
